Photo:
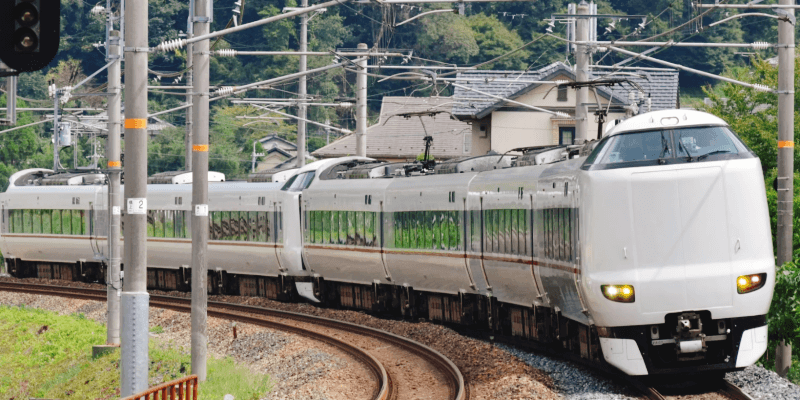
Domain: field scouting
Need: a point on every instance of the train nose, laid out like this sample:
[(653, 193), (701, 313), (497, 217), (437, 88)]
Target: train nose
[(682, 256)]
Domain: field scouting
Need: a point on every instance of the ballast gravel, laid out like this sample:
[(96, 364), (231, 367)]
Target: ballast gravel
[(761, 383), (571, 381)]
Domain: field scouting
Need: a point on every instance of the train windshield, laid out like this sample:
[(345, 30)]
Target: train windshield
[(299, 182), (667, 146)]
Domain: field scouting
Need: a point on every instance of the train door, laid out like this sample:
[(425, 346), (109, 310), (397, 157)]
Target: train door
[(278, 234), (466, 243), (381, 237), (531, 243), (482, 245)]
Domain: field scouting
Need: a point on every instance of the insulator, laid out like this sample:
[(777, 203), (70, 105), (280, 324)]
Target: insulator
[(761, 45), (171, 45), (761, 88), (344, 105), (225, 90), (226, 52), (561, 81)]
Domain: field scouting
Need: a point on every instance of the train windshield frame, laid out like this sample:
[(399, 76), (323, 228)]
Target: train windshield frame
[(667, 146), (299, 182)]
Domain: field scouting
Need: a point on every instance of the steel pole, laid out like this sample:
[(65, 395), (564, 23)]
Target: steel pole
[(114, 200), (301, 90), (785, 158), (199, 265), (56, 132), (135, 300), (582, 75), (361, 105)]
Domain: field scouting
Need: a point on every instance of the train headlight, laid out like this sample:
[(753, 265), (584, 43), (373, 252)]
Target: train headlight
[(750, 283), (619, 293)]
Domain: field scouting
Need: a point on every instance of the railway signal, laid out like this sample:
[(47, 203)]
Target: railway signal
[(29, 33)]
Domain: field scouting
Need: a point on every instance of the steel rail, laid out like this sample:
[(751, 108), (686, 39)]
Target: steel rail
[(384, 390), (458, 388)]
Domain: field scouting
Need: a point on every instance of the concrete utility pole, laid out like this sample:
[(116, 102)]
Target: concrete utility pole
[(135, 299), (301, 90), (582, 75), (187, 162), (783, 360), (200, 191), (361, 105), (114, 200)]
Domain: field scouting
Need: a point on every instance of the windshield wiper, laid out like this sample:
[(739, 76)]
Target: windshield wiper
[(665, 147), (680, 143), (712, 153)]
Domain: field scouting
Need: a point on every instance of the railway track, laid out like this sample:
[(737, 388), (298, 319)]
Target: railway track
[(396, 362), (722, 389)]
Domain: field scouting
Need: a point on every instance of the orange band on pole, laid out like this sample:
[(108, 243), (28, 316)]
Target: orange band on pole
[(135, 123), (200, 147), (785, 143), (113, 164)]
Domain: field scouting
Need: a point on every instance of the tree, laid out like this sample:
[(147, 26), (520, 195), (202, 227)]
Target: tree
[(447, 37), (494, 39)]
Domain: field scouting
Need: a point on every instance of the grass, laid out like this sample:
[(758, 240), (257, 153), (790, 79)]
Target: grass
[(45, 355)]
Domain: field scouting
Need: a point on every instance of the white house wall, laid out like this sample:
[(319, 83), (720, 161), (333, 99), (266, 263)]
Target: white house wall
[(512, 129)]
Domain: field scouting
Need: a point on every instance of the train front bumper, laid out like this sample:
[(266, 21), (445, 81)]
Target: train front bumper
[(634, 351)]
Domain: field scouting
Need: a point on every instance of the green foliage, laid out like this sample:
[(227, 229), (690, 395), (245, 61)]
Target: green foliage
[(784, 312), (447, 37), (57, 361), (495, 39), (421, 157)]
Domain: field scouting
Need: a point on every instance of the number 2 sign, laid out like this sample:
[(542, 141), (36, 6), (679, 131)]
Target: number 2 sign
[(137, 206)]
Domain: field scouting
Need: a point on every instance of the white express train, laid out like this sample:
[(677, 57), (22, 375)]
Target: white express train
[(649, 250)]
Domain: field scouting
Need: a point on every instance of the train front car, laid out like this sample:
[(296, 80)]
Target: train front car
[(678, 268)]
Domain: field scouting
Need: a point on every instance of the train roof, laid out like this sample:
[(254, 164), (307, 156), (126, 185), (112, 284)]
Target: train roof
[(666, 119)]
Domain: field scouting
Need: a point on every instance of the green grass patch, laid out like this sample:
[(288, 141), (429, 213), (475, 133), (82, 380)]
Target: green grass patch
[(46, 355), (157, 329)]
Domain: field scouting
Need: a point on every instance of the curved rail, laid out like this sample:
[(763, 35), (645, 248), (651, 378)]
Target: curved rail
[(450, 371), (384, 390)]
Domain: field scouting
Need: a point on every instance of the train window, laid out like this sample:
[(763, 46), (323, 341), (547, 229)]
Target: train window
[(37, 220), (317, 227), (454, 227), (27, 221), (704, 142), (502, 231), (359, 237), (325, 225), (640, 146), (342, 225), (369, 229), (334, 218), (435, 231), (512, 216)]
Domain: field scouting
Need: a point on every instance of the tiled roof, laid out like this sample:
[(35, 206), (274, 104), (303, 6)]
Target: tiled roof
[(397, 137), (661, 85)]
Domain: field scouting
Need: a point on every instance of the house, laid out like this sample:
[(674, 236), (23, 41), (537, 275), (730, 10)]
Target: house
[(278, 153), (399, 138), (500, 126)]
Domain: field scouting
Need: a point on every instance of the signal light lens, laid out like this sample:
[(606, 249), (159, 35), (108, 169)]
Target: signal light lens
[(619, 293), (26, 39), (26, 14), (750, 283)]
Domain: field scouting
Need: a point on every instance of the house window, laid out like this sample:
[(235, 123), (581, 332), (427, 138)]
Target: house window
[(566, 134), (562, 93)]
